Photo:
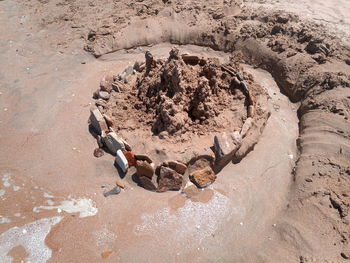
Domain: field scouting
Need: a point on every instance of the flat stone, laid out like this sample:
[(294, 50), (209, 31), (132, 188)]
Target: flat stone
[(246, 126), (104, 95), (147, 183), (177, 166), (121, 161), (225, 146), (142, 157), (169, 179), (143, 168), (114, 142), (97, 121), (203, 178)]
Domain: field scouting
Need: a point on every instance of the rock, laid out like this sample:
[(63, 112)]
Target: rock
[(98, 152), (106, 83), (317, 46), (121, 161), (120, 184), (246, 126), (203, 178), (251, 111), (177, 166), (101, 102), (99, 141), (149, 61), (189, 189), (169, 180), (116, 190), (143, 168), (138, 66), (104, 95), (345, 255), (142, 157), (225, 146), (108, 120), (131, 158), (97, 121), (147, 183), (174, 53), (199, 162), (114, 142), (192, 60)]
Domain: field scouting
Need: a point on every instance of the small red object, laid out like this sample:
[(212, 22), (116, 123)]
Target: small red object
[(130, 157)]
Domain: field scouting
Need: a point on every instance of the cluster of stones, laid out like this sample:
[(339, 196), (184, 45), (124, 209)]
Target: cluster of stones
[(170, 175), (167, 176)]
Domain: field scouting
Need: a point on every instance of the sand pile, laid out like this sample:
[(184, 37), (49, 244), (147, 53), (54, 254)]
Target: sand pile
[(178, 96)]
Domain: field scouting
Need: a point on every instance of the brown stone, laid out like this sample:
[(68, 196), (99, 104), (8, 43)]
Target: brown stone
[(143, 168), (177, 167), (98, 152), (120, 184), (169, 179), (147, 183), (203, 178), (142, 157)]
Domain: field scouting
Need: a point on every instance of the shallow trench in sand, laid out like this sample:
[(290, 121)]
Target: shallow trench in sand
[(237, 211)]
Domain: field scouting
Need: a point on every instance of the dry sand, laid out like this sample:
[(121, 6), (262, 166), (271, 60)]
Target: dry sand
[(286, 201)]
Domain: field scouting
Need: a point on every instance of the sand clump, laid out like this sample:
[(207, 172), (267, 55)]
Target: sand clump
[(178, 96)]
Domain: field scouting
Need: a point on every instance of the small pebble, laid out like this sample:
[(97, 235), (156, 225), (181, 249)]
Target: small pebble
[(116, 190)]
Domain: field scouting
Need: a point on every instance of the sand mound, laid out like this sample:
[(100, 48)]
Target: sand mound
[(179, 96)]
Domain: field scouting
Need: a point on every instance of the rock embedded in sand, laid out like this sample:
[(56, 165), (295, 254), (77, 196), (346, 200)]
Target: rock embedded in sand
[(142, 157), (98, 152), (131, 158), (97, 121), (177, 166), (203, 178), (246, 126), (169, 179), (109, 120), (147, 183), (114, 143), (143, 168), (106, 83), (121, 161), (104, 95), (225, 146), (116, 190)]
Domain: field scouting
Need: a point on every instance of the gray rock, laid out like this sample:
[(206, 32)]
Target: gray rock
[(114, 142), (97, 121), (104, 95), (246, 126), (116, 190), (225, 146)]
